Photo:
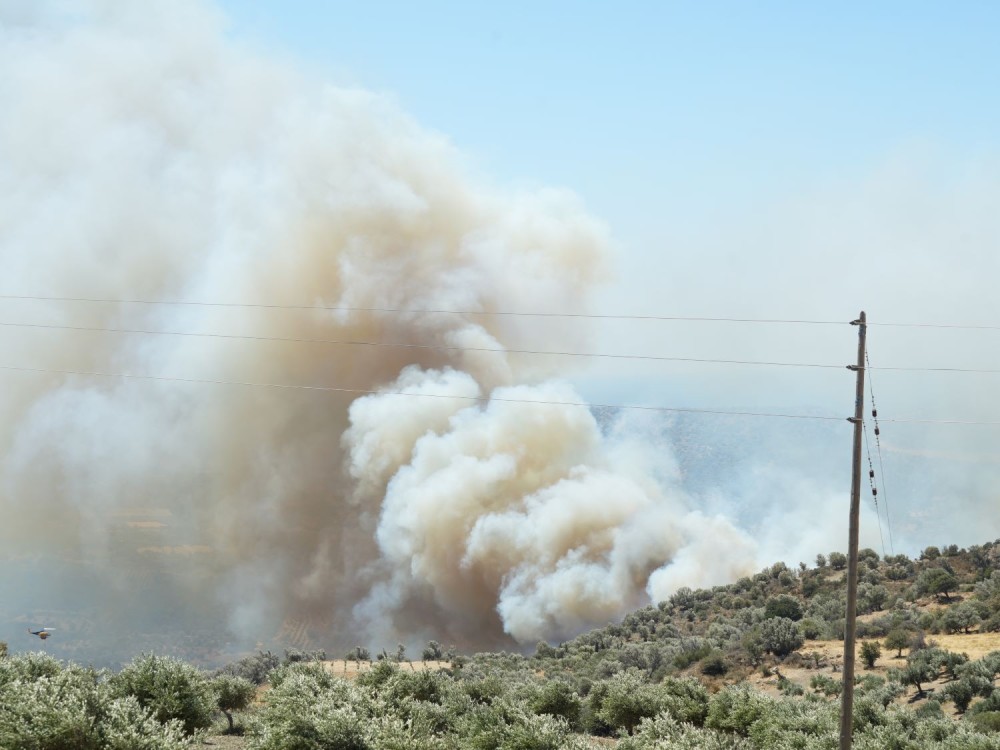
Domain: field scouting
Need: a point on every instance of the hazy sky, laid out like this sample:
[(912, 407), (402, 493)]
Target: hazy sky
[(777, 159)]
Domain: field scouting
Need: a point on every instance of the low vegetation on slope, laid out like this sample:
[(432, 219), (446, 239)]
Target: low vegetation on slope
[(753, 664)]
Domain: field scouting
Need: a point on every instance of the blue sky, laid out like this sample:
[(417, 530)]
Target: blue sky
[(686, 100), (700, 132), (785, 159)]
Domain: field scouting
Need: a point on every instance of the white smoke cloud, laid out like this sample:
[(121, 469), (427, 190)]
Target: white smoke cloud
[(528, 509), (143, 157)]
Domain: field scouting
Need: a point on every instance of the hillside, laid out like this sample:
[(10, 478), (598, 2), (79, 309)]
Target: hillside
[(753, 664)]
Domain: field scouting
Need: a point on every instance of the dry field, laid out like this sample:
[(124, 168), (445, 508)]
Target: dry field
[(351, 669), (827, 657)]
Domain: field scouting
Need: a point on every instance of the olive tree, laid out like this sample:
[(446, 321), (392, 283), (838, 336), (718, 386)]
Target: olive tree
[(896, 640), (937, 581), (780, 636), (232, 694), (170, 688), (870, 652)]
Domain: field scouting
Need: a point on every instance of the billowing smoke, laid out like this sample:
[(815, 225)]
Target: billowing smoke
[(406, 490), (526, 511)]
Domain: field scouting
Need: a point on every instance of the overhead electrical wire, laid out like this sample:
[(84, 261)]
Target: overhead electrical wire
[(447, 347), (905, 420), (406, 310), (963, 326), (878, 447), (983, 370), (441, 347), (871, 482), (340, 308), (368, 391)]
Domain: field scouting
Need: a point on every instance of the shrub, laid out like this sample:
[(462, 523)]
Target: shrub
[(663, 732), (867, 554), (294, 655), (508, 725), (684, 699), (126, 725), (46, 707), (714, 664), (985, 721), (421, 686), (780, 636), (916, 673), (255, 668), (826, 685), (232, 694), (378, 675), (47, 712), (626, 700), (432, 652), (556, 698), (169, 688), (486, 690), (896, 640), (358, 654), (870, 652), (787, 687), (960, 617), (838, 560), (783, 606), (936, 581), (309, 708), (960, 693), (689, 656), (736, 708), (811, 629)]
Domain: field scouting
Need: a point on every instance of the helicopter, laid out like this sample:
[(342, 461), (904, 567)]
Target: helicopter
[(42, 633)]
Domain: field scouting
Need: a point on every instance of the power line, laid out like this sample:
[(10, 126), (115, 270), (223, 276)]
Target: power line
[(963, 326), (341, 308), (447, 347), (440, 347), (367, 391), (903, 420), (878, 448), (871, 482), (406, 310), (939, 369)]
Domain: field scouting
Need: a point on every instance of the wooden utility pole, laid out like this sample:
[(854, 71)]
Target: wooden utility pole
[(847, 695)]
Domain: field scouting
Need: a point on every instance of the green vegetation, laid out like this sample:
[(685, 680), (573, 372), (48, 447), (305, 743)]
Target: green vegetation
[(870, 653), (170, 689), (232, 694), (680, 674)]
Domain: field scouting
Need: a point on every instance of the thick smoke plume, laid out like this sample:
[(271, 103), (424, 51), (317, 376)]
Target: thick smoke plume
[(144, 157)]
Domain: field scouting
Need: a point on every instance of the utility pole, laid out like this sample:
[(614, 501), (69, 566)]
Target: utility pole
[(847, 695)]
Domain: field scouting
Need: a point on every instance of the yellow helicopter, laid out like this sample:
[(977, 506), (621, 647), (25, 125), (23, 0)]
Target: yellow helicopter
[(42, 633)]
